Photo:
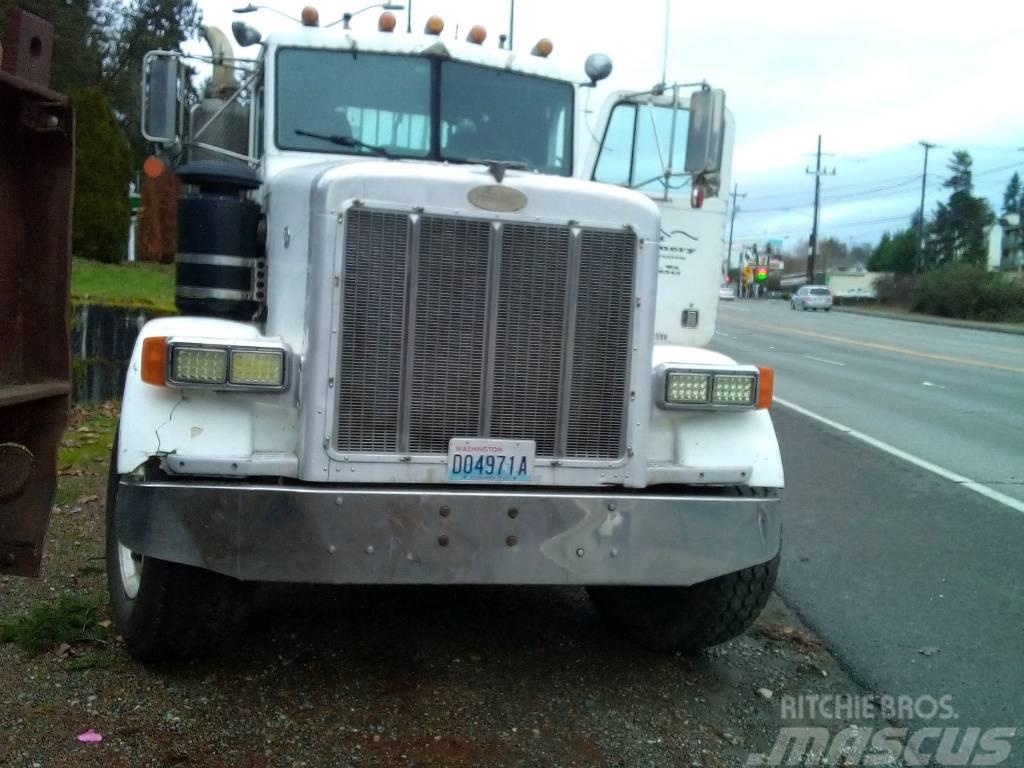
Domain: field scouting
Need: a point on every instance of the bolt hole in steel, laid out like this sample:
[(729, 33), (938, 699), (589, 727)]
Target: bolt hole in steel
[(579, 552), (513, 513), (511, 541), (130, 568), (445, 511), (443, 541)]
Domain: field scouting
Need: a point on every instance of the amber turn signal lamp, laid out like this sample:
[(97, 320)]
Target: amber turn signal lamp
[(477, 34), (154, 361), (387, 22)]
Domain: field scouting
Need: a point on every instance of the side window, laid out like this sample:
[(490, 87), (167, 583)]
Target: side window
[(614, 164), (635, 148)]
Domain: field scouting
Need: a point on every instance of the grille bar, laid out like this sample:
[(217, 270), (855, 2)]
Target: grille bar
[(463, 327)]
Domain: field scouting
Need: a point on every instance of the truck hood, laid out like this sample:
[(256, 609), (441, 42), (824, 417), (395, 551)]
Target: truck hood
[(454, 188)]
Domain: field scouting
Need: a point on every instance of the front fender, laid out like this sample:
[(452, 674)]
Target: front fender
[(714, 447), (198, 431)]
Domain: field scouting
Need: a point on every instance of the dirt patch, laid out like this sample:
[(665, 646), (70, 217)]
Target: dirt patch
[(410, 676)]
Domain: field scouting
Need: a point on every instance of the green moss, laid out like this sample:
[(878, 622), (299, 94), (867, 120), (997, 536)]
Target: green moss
[(139, 285), (71, 619)]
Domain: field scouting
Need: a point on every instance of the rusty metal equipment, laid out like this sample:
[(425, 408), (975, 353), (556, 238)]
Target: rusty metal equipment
[(37, 163)]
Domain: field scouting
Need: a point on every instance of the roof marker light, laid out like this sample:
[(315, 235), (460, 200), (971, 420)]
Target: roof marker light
[(477, 34), (387, 22), (543, 48), (310, 17), (434, 26)]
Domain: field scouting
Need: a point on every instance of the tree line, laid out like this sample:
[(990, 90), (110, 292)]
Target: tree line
[(955, 233), (97, 62)]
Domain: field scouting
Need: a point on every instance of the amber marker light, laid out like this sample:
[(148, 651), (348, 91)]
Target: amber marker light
[(435, 25), (153, 167), (310, 17), (543, 48), (477, 34), (766, 387), (387, 22)]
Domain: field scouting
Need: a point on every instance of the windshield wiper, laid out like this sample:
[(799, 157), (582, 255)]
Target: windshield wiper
[(344, 141)]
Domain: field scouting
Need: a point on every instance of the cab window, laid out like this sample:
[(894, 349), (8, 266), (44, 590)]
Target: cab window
[(635, 148)]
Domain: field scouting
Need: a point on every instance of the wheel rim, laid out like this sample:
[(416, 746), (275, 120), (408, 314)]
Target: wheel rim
[(130, 569)]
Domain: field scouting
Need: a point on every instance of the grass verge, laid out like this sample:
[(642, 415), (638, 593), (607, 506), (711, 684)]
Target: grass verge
[(143, 285)]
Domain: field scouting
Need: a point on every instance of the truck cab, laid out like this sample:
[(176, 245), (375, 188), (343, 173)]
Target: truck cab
[(424, 340)]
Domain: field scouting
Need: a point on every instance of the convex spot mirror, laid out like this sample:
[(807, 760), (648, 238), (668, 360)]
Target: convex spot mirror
[(598, 66)]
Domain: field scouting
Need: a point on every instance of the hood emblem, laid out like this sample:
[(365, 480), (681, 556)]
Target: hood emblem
[(494, 197)]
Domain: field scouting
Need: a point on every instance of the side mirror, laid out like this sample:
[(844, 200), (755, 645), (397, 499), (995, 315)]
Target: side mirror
[(597, 67), (707, 132), (244, 34), (161, 96)]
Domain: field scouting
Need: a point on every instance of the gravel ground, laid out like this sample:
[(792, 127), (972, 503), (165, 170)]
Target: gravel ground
[(393, 676)]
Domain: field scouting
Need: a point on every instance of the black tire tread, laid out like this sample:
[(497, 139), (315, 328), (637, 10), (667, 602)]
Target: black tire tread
[(689, 618)]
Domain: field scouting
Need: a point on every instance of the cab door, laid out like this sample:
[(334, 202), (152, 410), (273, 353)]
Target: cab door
[(640, 142)]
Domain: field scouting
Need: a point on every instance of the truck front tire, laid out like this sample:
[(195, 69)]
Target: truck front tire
[(166, 610), (688, 618)]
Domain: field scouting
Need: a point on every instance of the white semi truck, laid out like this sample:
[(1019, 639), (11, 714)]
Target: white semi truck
[(430, 334)]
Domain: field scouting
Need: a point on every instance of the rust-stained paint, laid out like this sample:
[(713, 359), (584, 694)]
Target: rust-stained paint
[(37, 162)]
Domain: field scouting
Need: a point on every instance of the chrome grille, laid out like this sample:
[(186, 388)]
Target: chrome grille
[(600, 373), (458, 327), (529, 334), (372, 329), (450, 297)]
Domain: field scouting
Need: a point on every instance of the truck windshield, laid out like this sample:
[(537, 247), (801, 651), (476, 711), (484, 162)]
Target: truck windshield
[(385, 104)]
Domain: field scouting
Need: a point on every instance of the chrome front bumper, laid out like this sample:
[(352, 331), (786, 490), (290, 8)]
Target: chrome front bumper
[(447, 535)]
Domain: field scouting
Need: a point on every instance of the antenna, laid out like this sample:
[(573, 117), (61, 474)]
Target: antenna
[(664, 52)]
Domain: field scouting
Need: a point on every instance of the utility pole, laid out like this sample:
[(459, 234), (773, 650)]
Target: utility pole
[(919, 261), (732, 223), (817, 173)]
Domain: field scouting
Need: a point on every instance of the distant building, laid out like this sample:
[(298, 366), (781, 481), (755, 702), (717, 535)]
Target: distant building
[(1005, 246)]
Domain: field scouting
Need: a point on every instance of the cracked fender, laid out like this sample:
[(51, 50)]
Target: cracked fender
[(201, 423)]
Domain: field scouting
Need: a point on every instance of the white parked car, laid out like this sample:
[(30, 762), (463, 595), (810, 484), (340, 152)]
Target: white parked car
[(812, 297), (727, 293)]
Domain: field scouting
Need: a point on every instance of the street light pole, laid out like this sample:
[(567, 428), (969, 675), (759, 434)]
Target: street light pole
[(919, 261)]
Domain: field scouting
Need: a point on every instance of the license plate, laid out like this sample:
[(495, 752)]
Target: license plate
[(481, 460)]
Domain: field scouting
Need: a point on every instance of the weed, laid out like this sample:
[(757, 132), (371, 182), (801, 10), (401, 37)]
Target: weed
[(71, 619)]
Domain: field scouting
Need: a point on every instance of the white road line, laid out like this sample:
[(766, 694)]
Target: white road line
[(964, 482), (822, 360)]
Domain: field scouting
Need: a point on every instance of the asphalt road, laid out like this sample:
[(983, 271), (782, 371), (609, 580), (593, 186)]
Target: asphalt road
[(913, 579)]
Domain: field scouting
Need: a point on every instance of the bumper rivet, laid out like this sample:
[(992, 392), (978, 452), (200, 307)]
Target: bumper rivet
[(369, 549), (579, 552), (332, 549), (442, 540), (511, 541), (409, 557), (611, 506), (513, 513), (445, 511), (615, 551), (339, 501)]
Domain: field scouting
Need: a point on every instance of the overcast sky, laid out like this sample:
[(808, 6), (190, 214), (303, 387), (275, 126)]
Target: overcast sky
[(872, 77)]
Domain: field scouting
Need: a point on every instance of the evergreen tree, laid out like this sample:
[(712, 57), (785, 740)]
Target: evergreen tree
[(958, 227), (102, 172), (1012, 196)]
